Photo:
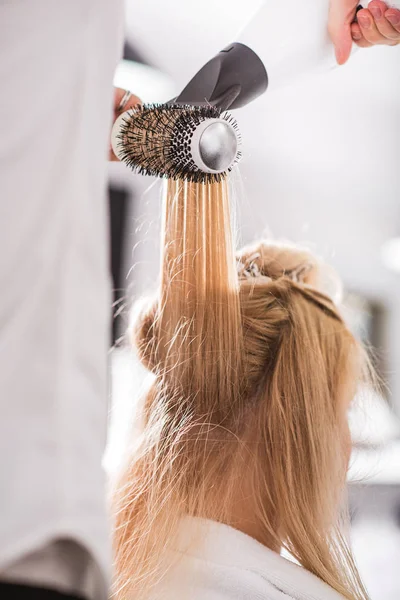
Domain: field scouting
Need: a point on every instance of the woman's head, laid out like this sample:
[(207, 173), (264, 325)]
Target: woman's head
[(302, 365), (254, 370)]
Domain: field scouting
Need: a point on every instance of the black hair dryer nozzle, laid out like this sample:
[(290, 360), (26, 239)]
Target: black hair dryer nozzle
[(232, 79)]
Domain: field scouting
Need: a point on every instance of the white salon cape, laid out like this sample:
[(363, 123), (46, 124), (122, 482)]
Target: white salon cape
[(212, 561), (57, 61)]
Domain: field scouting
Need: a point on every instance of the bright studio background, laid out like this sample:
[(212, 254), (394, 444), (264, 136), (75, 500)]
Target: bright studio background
[(321, 166)]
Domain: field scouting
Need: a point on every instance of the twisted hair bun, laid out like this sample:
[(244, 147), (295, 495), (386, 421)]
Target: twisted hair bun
[(271, 264), (272, 261)]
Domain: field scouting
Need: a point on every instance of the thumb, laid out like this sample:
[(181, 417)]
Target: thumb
[(341, 16)]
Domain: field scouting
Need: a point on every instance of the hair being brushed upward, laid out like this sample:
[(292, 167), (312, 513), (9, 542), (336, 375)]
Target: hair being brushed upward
[(250, 358)]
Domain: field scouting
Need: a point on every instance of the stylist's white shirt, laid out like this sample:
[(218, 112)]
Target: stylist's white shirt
[(57, 61), (212, 561)]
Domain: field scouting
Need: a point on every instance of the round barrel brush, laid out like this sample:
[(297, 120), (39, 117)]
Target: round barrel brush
[(194, 143)]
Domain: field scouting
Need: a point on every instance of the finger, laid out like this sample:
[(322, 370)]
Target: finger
[(131, 103), (358, 37), (383, 25), (393, 16), (341, 15), (119, 94), (368, 27), (111, 156)]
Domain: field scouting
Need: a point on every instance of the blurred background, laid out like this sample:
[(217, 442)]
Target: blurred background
[(321, 166)]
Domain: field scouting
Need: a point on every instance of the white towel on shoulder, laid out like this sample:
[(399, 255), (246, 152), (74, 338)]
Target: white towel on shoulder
[(225, 564)]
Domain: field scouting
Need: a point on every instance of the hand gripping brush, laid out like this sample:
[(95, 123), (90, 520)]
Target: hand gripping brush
[(193, 137)]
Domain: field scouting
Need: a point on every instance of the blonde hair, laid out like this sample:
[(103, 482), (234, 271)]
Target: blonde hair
[(248, 355)]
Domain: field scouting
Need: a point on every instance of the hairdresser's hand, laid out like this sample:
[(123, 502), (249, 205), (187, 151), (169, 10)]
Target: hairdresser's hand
[(371, 29), (377, 25), (118, 96)]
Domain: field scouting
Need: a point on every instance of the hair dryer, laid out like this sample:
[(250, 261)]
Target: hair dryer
[(282, 42)]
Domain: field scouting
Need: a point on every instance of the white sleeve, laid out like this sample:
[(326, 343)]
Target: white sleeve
[(57, 61)]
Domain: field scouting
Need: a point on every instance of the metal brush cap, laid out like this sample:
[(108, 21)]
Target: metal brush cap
[(214, 146)]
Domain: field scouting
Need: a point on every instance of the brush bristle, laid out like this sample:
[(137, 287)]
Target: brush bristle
[(154, 139)]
